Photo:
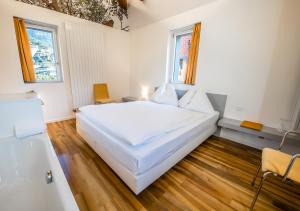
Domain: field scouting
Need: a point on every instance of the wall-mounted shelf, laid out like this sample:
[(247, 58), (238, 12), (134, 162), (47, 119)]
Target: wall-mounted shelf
[(267, 137), (266, 132), (129, 99)]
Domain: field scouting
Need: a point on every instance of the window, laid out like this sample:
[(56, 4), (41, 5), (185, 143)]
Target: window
[(44, 51), (180, 48)]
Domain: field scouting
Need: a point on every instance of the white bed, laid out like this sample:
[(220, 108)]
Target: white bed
[(140, 163)]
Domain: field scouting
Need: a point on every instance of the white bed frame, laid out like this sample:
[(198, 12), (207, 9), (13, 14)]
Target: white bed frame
[(138, 183)]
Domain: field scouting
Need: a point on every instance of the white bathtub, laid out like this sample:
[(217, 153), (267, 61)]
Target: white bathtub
[(23, 166)]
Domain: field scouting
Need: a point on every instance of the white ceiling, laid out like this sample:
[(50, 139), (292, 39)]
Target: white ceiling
[(142, 13)]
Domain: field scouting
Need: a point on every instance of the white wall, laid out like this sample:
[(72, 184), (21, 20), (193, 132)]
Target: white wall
[(57, 96), (283, 83), (142, 13), (241, 42), (249, 50)]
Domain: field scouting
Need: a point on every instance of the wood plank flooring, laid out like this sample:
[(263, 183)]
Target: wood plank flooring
[(215, 176)]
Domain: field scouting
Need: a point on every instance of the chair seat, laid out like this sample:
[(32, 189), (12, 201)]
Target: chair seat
[(277, 162), (103, 101)]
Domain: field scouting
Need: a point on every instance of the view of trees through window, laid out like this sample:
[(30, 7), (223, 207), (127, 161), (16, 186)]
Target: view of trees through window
[(43, 54), (182, 48)]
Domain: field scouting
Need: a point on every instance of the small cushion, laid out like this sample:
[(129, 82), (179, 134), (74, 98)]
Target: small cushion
[(187, 97), (251, 125), (199, 102), (104, 101), (277, 162), (165, 94)]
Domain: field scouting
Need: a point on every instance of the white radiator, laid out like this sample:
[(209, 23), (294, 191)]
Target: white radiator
[(85, 56)]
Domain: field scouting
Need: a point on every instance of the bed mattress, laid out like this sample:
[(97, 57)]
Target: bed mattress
[(139, 122), (139, 159)]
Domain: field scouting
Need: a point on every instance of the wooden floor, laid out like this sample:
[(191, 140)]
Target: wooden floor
[(215, 176)]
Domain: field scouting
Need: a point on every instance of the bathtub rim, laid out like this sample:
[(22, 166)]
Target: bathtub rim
[(59, 179)]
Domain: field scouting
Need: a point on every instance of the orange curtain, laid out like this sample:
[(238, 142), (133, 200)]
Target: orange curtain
[(24, 50), (193, 56)]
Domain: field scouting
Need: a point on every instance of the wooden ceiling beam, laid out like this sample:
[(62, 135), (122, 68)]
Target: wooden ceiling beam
[(123, 4)]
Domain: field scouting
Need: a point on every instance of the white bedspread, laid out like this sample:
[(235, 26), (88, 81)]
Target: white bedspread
[(139, 122)]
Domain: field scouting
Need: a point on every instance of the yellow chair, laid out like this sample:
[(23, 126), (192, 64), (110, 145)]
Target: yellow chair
[(101, 95), (279, 164)]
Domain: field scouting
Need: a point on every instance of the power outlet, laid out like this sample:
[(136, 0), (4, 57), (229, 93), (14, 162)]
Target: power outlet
[(239, 109)]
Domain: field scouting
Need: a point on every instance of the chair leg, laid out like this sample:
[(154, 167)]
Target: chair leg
[(257, 172), (259, 189)]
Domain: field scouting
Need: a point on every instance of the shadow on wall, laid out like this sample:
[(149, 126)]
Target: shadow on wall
[(284, 77)]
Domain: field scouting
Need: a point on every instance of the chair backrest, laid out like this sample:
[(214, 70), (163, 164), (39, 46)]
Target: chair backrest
[(101, 91)]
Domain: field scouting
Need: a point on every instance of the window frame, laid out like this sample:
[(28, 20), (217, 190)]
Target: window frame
[(53, 30), (172, 51)]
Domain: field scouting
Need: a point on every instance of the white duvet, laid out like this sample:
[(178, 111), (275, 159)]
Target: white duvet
[(139, 122)]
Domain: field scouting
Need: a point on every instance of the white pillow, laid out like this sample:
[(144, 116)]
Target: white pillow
[(200, 102), (187, 97), (165, 94)]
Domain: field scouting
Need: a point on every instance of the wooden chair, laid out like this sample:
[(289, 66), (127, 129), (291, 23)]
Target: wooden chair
[(101, 95), (277, 163)]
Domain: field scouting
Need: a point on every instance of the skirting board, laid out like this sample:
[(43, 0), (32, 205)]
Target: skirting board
[(60, 119)]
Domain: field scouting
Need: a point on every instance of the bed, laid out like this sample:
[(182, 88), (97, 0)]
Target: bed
[(119, 138)]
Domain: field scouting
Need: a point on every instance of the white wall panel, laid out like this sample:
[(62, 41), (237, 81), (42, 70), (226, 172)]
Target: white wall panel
[(85, 55)]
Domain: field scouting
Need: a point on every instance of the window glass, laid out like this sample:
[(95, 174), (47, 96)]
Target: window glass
[(182, 47), (44, 53)]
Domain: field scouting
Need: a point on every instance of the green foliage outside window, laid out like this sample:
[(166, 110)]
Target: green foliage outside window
[(43, 54), (100, 11)]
